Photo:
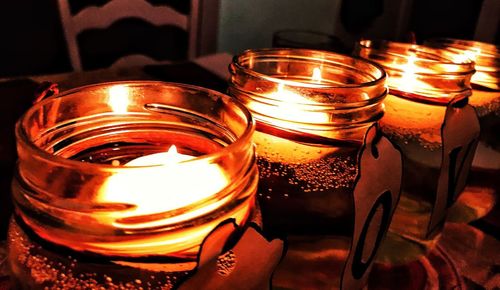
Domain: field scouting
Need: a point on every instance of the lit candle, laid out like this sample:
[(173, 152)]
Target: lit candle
[(288, 106), (312, 110), (159, 182), (487, 104), (485, 99), (479, 196), (141, 223), (422, 82), (408, 80), (163, 182), (425, 125), (288, 110)]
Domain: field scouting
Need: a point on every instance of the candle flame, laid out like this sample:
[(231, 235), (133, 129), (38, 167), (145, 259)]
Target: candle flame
[(316, 76), (170, 157), (408, 78), (118, 99), (172, 151)]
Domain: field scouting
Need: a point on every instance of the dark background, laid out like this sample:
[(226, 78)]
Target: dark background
[(32, 40)]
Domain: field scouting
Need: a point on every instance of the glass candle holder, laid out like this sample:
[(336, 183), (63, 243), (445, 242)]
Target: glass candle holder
[(422, 84), (486, 100), (312, 110), (118, 184)]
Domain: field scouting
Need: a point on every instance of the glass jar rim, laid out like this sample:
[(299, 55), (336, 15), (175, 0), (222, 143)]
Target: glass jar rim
[(433, 57), (486, 57), (489, 47), (445, 78), (309, 54), (23, 138)]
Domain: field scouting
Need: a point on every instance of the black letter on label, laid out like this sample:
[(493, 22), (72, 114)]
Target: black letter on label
[(376, 193), (359, 266), (459, 163), (454, 174), (459, 135)]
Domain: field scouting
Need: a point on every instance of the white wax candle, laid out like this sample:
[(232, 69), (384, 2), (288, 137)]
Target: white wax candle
[(168, 185)]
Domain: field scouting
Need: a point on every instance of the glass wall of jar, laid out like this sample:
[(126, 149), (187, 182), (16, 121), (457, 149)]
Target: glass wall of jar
[(486, 99), (312, 110), (422, 82), (118, 184)]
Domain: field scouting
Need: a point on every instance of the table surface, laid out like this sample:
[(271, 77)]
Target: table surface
[(474, 248)]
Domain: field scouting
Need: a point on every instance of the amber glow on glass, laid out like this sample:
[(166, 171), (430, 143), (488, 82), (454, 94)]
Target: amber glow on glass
[(292, 105), (118, 98)]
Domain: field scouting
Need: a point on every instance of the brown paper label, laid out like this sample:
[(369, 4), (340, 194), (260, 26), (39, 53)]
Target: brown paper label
[(376, 194), (460, 136), (246, 264)]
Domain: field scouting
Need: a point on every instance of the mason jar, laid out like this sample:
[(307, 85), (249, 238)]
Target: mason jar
[(312, 110), (118, 184), (427, 116), (484, 187)]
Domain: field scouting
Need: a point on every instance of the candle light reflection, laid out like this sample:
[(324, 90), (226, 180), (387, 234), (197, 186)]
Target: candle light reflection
[(118, 99)]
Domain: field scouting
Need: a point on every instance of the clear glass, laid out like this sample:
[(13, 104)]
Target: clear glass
[(98, 201), (480, 197), (422, 81), (312, 110)]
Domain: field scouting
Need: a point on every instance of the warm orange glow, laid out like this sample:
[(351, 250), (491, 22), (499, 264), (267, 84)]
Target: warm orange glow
[(408, 80), (164, 183), (479, 76), (423, 120), (316, 77), (290, 109), (291, 106), (118, 98), (468, 55), (169, 182)]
